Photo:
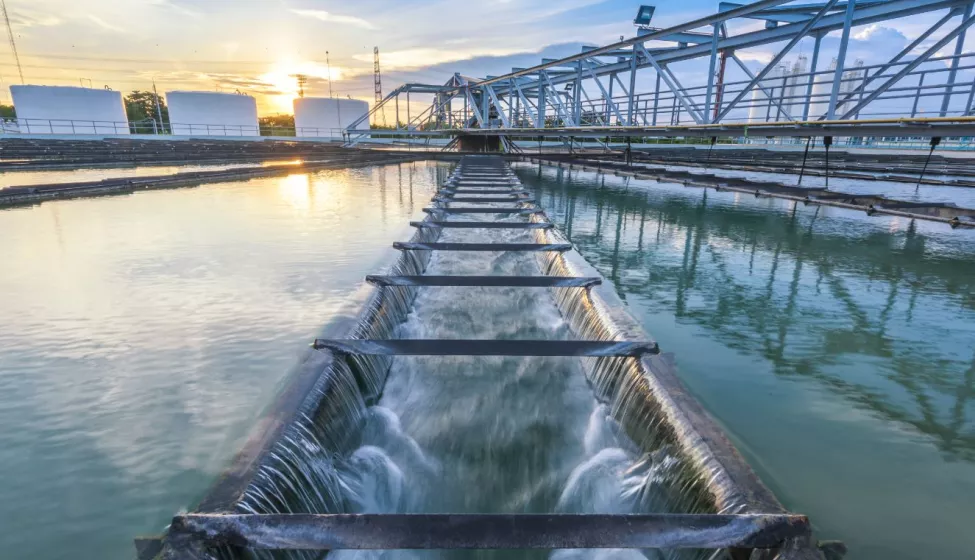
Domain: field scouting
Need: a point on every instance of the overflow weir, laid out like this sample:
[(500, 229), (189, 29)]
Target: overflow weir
[(406, 424)]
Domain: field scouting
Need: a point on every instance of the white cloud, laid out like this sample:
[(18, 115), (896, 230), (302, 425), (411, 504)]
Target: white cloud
[(408, 59), (334, 18), (105, 25), (24, 21), (176, 8), (755, 56)]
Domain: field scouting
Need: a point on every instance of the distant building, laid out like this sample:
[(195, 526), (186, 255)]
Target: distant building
[(207, 113), (69, 110), (323, 116)]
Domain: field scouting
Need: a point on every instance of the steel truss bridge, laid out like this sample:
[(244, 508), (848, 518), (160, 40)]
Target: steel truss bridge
[(636, 87)]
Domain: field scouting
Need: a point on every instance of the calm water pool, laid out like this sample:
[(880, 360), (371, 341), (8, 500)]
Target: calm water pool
[(142, 334), (838, 351)]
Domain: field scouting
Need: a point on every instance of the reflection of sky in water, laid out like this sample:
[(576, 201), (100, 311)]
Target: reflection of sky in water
[(142, 334), (961, 196), (23, 178), (836, 348)]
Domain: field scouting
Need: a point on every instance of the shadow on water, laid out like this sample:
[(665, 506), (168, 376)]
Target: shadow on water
[(883, 317)]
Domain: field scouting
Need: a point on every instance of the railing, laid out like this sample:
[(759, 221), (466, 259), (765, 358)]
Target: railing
[(151, 127)]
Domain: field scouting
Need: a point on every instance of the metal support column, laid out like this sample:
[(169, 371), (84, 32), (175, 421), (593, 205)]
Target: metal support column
[(540, 119), (631, 92), (711, 67), (840, 60), (656, 98), (812, 76), (953, 73)]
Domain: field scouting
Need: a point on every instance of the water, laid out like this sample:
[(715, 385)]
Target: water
[(961, 196), (474, 434), (142, 334), (25, 178), (837, 350)]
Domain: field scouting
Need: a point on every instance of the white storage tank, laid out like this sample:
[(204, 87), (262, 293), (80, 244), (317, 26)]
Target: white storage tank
[(322, 116), (69, 110), (206, 113)]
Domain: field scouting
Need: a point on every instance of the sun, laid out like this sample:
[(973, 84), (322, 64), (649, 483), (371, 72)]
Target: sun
[(282, 83)]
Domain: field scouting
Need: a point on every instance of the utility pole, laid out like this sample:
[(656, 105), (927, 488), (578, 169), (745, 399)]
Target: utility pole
[(13, 43), (302, 82), (328, 69), (378, 82)]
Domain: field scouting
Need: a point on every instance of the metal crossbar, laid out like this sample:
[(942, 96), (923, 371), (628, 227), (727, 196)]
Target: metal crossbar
[(478, 210), (409, 246), (462, 347), (484, 199), (489, 225), (485, 190), (488, 281), (487, 531)]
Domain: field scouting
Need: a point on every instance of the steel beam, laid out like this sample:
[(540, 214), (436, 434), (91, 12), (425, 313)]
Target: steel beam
[(673, 84), (840, 60), (911, 66), (489, 531), (959, 44), (759, 85), (775, 60)]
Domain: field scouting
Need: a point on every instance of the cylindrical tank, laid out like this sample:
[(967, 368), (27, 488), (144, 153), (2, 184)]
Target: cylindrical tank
[(321, 116), (207, 113), (69, 110), (822, 88), (761, 108)]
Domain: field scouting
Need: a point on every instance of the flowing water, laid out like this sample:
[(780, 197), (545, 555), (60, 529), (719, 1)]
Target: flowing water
[(837, 350), (141, 335), (471, 434)]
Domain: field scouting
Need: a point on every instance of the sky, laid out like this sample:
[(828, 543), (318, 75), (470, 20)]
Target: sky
[(256, 46)]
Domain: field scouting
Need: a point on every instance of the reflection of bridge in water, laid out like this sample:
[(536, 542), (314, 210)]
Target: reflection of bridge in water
[(757, 269)]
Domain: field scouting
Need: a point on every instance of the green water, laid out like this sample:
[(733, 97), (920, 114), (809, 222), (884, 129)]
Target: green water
[(837, 350), (141, 335)]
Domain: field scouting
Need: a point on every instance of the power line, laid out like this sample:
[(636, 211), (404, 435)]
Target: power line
[(13, 43)]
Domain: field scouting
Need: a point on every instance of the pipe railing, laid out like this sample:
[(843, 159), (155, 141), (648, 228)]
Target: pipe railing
[(151, 127)]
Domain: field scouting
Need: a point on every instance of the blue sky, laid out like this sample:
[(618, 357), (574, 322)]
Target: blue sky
[(256, 45)]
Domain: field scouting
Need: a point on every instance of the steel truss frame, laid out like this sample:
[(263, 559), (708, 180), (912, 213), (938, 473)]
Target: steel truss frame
[(598, 91)]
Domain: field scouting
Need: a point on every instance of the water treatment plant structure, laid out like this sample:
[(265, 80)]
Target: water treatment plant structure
[(270, 498)]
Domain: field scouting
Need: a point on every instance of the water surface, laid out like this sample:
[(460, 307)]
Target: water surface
[(142, 334), (838, 350)]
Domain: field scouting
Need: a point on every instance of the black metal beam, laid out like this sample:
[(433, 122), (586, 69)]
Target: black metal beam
[(489, 225), (461, 347), (489, 531), (479, 210), (487, 281), (485, 190), (409, 246), (484, 199)]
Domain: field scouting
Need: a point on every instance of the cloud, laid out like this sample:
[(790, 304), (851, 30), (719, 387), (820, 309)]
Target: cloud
[(334, 18), (763, 57), (24, 21), (105, 25), (176, 8), (880, 34)]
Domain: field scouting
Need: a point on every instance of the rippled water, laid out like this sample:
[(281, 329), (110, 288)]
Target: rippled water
[(142, 334), (838, 350)]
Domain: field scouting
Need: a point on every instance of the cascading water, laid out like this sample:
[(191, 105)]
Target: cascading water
[(479, 434)]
